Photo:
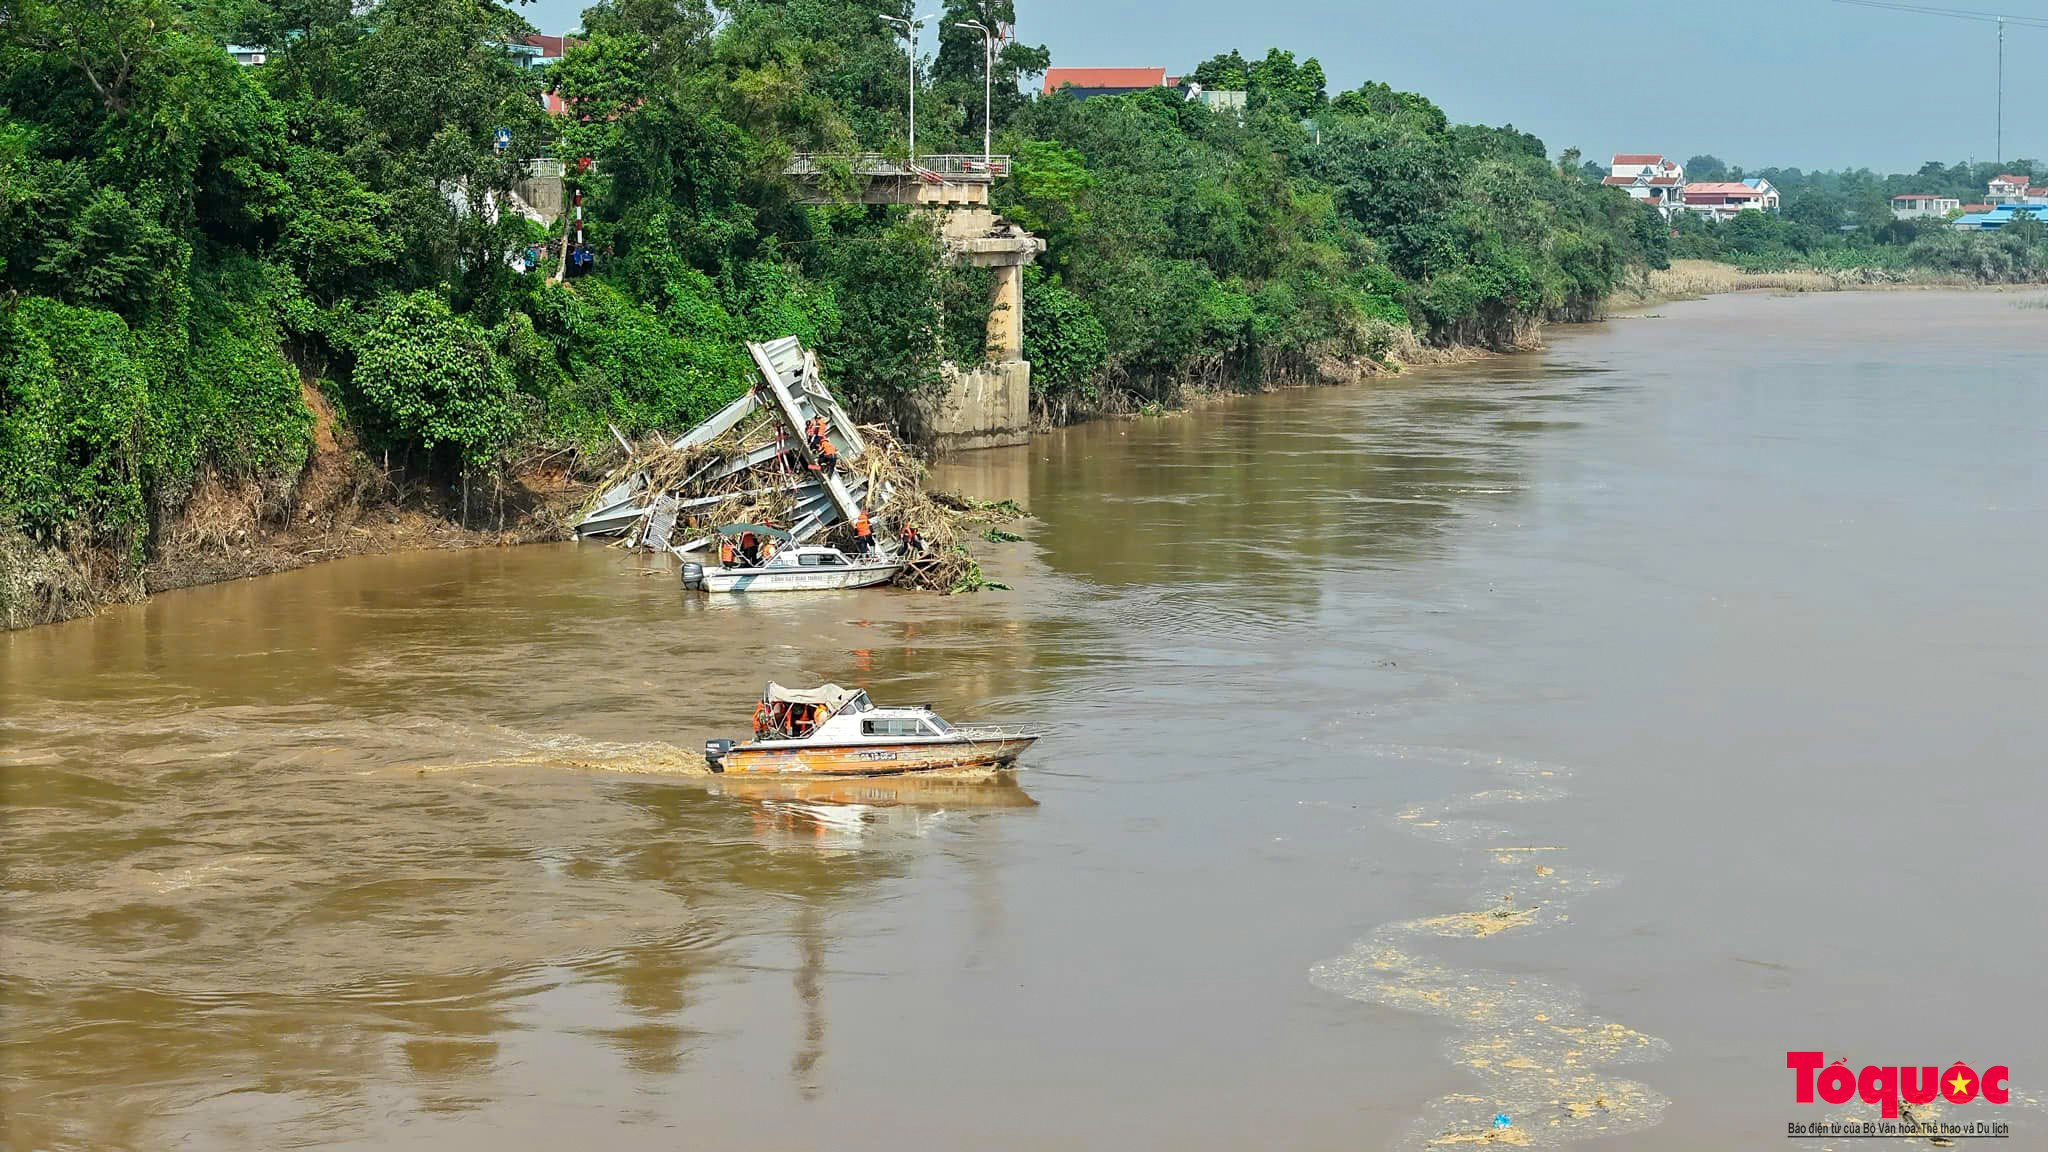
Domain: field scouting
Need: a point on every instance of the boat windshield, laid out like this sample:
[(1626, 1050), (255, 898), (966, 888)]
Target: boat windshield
[(932, 718), (859, 703)]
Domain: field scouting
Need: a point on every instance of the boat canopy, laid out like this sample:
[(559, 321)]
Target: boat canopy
[(832, 696)]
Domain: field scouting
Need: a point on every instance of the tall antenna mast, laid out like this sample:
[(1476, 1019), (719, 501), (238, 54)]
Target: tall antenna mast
[(1999, 18)]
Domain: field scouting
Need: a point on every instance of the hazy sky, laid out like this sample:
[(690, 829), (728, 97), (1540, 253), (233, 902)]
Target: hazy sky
[(1805, 83)]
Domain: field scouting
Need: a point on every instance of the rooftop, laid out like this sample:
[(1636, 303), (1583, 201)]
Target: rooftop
[(1057, 78)]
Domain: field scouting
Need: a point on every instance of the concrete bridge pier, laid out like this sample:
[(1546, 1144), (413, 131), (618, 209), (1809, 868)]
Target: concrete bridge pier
[(990, 406)]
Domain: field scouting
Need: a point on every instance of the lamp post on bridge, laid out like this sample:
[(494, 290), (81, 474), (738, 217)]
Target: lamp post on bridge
[(988, 68), (910, 28)]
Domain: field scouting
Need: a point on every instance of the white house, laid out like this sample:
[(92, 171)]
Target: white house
[(2007, 189), (249, 55), (1720, 199), (1649, 177), (1920, 205)]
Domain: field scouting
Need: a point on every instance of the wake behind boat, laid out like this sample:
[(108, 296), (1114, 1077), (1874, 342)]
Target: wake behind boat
[(834, 731)]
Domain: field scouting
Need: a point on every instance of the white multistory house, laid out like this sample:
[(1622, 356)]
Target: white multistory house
[(2007, 189), (1923, 205), (1649, 177)]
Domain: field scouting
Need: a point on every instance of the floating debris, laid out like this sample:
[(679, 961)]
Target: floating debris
[(756, 461), (1543, 1055)]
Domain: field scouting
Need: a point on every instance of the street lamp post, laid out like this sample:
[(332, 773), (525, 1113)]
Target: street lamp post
[(910, 30), (988, 69)]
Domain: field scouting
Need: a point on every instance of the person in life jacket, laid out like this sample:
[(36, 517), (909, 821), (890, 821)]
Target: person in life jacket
[(760, 719), (864, 534), (814, 431), (828, 457), (725, 551), (912, 542)]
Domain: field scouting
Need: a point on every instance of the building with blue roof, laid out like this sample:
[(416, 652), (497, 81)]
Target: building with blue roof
[(2000, 216)]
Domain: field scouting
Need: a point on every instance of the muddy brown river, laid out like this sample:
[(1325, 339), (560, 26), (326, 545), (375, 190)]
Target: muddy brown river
[(1565, 737)]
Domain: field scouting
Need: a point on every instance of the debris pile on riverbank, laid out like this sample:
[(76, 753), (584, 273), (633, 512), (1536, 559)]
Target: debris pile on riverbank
[(786, 455)]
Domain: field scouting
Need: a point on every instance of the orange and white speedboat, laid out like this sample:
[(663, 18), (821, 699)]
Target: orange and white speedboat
[(834, 731)]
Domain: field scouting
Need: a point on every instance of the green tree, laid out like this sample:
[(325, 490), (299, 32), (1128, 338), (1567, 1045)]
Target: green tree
[(956, 71), (1062, 339), (1707, 167), (889, 288), (72, 402), (432, 378)]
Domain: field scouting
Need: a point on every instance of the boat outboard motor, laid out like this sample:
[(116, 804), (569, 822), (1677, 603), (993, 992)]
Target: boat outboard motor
[(693, 574), (714, 753)]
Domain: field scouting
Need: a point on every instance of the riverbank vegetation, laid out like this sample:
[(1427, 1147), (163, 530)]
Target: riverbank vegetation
[(1842, 223)]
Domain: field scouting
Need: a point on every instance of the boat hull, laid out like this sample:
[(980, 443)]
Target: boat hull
[(914, 790), (874, 759), (793, 579)]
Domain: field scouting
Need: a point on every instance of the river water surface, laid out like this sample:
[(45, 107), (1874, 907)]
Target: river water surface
[(1566, 736)]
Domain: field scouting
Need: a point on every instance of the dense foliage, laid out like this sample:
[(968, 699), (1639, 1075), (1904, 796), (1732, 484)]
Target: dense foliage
[(1225, 246), (196, 256)]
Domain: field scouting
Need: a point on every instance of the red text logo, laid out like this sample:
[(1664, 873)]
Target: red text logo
[(1886, 1085)]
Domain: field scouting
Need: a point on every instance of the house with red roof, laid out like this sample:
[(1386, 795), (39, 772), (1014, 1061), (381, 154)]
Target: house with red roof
[(1650, 177), (1720, 199), (534, 50), (1082, 83), (2007, 189)]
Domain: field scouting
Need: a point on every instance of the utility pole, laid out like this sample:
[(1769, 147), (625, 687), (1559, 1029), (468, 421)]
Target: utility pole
[(988, 70), (2001, 19), (910, 28)]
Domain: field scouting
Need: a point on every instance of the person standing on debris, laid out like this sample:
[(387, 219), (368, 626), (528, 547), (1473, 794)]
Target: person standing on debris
[(828, 457), (912, 543), (864, 534), (814, 431)]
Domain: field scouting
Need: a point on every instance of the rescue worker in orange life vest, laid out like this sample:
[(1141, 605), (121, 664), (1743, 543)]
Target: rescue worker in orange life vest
[(864, 534), (814, 431), (760, 719), (725, 554), (828, 457)]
